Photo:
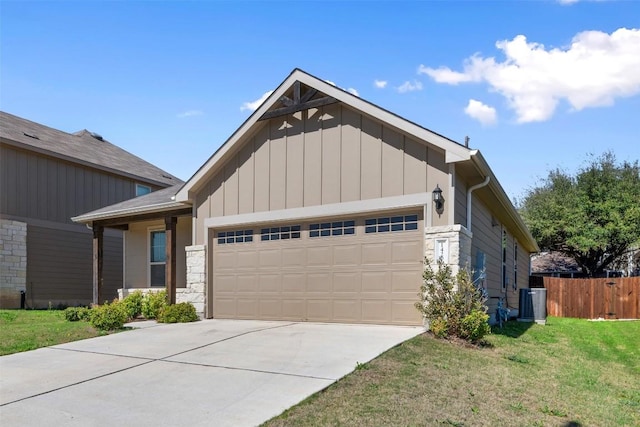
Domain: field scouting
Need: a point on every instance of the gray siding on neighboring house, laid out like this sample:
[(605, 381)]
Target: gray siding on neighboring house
[(60, 266), (34, 186), (320, 156)]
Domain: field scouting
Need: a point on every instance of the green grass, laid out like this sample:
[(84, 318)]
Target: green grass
[(570, 372), (23, 330)]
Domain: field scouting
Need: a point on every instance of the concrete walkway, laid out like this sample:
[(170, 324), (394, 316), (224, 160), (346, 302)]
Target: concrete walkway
[(213, 372)]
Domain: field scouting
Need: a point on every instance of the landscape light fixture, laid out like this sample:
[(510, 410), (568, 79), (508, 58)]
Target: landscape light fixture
[(438, 199)]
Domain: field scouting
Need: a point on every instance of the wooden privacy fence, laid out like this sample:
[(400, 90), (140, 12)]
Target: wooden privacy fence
[(612, 298)]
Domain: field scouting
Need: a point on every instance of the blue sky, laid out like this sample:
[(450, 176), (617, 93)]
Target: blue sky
[(535, 84)]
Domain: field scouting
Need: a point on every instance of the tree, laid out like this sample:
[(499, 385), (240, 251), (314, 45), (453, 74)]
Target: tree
[(593, 217)]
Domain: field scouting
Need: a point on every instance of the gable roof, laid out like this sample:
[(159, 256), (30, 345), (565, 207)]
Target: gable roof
[(453, 151), (83, 147)]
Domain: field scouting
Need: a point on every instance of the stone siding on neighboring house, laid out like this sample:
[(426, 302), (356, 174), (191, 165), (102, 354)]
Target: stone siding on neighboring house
[(13, 262)]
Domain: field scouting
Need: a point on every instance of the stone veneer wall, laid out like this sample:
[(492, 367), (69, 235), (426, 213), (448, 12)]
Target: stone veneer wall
[(196, 278), (458, 242), (13, 262)]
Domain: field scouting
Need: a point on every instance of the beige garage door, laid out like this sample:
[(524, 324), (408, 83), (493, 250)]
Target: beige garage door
[(352, 270)]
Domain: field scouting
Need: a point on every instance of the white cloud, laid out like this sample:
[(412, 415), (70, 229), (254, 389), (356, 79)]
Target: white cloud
[(593, 71), (190, 113), (410, 86), (481, 112), (380, 84), (253, 105), (352, 91)]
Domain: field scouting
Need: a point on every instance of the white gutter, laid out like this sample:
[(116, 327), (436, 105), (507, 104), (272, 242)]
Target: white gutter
[(469, 191)]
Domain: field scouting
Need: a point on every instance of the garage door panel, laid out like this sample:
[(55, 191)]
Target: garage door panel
[(271, 308), (225, 260), (226, 283), (374, 253), (319, 310), (376, 311), (247, 284), (403, 312), (225, 307), (405, 281), (247, 308), (293, 309), (319, 256), (406, 252), (348, 255), (269, 283), (346, 282), (375, 281), (294, 282), (246, 259), (270, 258), (293, 257), (347, 311), (319, 282)]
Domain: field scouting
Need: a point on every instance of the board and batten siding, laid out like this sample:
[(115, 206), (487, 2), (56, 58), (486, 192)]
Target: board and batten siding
[(60, 266), (487, 237), (137, 251), (319, 156), (62, 189)]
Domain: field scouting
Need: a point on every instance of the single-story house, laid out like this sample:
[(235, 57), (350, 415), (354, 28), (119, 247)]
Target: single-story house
[(48, 176), (322, 207)]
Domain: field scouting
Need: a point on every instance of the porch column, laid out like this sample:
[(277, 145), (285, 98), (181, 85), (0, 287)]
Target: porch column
[(98, 244), (170, 266)]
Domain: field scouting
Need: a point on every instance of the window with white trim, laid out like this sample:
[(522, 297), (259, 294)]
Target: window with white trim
[(141, 190), (335, 228), (280, 233), (236, 236), (391, 223), (157, 257)]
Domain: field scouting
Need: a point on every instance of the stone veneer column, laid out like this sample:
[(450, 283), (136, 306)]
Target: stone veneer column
[(456, 241), (13, 262), (196, 278)]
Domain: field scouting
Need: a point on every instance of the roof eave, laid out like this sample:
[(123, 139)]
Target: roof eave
[(159, 208)]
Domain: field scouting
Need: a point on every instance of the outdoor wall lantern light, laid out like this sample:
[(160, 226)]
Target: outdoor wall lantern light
[(438, 200)]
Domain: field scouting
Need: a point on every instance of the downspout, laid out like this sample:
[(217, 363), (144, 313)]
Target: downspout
[(469, 191)]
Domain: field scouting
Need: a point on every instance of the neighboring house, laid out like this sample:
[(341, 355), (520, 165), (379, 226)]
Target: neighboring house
[(321, 207), (46, 177), (555, 264)]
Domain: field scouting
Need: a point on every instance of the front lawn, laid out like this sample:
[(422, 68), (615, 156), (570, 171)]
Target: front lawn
[(22, 330), (570, 372)]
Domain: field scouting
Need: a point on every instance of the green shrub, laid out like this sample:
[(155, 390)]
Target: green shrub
[(447, 300), (133, 304), (152, 303), (178, 313), (108, 317), (75, 314), (474, 326)]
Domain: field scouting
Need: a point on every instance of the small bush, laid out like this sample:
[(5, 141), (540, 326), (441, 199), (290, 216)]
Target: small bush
[(474, 326), (75, 314), (133, 304), (183, 312), (108, 317), (152, 303), (453, 305)]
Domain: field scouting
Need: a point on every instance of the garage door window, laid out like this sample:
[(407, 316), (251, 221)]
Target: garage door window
[(280, 233), (237, 236), (391, 223), (336, 228)]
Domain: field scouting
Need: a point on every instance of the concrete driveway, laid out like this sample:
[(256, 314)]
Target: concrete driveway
[(213, 372)]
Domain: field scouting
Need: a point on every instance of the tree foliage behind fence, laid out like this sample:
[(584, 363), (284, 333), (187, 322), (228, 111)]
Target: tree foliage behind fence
[(611, 298)]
